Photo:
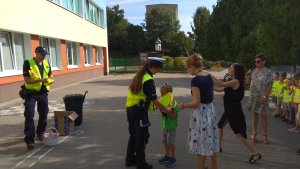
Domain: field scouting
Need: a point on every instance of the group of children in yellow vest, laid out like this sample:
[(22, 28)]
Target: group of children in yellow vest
[(286, 94)]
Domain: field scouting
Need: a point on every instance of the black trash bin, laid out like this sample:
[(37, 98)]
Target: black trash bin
[(74, 102)]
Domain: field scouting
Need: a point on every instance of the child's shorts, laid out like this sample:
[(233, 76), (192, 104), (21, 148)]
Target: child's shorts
[(169, 136), (287, 107)]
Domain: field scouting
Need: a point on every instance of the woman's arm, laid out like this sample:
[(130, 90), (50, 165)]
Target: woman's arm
[(195, 99), (234, 83), (219, 89)]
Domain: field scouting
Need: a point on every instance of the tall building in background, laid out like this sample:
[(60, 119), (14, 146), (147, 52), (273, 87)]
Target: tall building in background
[(73, 31), (172, 7)]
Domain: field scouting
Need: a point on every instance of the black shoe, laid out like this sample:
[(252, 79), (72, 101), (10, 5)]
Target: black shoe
[(145, 166), (30, 146), (221, 150), (130, 164)]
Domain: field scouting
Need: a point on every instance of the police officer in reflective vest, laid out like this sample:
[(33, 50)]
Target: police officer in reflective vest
[(141, 93), (38, 77)]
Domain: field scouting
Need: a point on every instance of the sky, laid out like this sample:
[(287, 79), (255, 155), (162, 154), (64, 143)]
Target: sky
[(135, 9)]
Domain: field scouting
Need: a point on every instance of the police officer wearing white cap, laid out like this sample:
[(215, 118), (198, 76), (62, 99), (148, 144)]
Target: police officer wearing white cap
[(141, 93)]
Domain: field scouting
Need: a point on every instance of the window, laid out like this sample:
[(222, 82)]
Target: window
[(72, 5), (99, 55), (87, 55), (53, 48), (72, 54), (101, 17), (12, 53), (94, 14)]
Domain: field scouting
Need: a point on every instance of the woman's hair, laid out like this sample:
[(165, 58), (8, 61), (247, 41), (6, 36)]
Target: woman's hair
[(239, 72), (166, 88), (137, 81), (195, 60), (261, 56)]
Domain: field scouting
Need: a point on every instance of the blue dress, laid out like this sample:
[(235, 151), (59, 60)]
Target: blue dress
[(202, 136)]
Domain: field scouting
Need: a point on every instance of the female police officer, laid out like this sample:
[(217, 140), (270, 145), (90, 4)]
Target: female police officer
[(141, 92)]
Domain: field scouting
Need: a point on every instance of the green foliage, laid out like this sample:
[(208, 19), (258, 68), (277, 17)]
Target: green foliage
[(200, 28), (169, 64), (237, 30), (159, 23), (180, 63), (208, 64)]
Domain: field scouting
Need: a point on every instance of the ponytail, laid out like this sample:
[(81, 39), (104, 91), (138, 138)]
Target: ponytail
[(136, 83)]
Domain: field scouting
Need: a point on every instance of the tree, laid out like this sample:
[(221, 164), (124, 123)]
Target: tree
[(158, 23), (200, 27), (117, 28)]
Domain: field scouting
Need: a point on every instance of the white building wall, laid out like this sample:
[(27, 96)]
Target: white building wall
[(44, 18)]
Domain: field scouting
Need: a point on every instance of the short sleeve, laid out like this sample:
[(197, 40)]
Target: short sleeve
[(26, 68), (269, 78)]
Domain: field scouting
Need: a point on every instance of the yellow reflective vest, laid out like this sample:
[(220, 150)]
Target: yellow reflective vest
[(134, 98), (297, 96), (34, 73), (286, 96), (279, 90), (274, 87)]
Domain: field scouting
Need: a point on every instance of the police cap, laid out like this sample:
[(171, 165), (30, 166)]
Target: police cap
[(156, 61), (41, 50)]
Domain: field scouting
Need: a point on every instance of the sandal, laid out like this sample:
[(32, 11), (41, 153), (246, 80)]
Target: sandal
[(253, 138), (253, 160), (265, 139)]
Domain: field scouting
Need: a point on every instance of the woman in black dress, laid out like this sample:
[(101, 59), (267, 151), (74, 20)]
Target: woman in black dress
[(234, 93)]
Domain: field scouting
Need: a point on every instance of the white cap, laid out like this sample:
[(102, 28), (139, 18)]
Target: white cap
[(156, 60)]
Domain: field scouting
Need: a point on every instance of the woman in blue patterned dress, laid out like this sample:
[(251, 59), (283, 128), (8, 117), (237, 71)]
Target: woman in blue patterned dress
[(202, 138)]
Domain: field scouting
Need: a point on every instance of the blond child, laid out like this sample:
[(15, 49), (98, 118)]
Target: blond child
[(279, 92), (287, 99), (169, 125), (296, 102), (276, 76)]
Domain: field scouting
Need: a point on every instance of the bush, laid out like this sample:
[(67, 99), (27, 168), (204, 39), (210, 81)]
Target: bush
[(169, 64), (208, 64), (180, 63)]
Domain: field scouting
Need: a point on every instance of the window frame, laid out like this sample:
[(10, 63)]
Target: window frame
[(50, 56), (12, 47), (99, 49), (77, 65)]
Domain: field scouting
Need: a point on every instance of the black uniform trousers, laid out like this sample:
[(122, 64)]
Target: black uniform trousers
[(138, 135), (42, 108)]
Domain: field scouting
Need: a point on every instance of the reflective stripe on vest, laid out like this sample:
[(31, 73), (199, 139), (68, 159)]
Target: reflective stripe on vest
[(134, 98), (34, 72), (297, 96), (287, 97)]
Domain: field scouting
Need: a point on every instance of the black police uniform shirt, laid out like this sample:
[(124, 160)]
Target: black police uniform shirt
[(26, 68), (149, 88)]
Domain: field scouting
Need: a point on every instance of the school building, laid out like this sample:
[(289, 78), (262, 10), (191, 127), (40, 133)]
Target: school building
[(73, 31)]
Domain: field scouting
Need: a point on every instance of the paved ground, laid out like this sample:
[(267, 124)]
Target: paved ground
[(100, 142)]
